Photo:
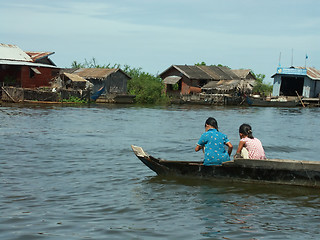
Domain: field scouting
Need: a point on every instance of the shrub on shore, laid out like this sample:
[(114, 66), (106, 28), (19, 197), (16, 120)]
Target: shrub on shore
[(146, 87), (261, 87)]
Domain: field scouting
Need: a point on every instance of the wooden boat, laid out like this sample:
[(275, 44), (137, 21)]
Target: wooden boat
[(116, 98), (258, 102), (280, 171)]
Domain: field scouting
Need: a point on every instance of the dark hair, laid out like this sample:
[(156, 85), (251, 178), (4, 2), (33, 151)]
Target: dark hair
[(212, 122), (245, 129)]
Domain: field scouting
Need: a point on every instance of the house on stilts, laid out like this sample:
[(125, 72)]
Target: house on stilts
[(207, 84), (301, 82)]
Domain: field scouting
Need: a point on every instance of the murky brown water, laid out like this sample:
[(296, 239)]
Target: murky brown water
[(69, 173)]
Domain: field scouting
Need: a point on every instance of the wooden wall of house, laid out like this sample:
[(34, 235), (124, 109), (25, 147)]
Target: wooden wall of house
[(185, 89), (30, 79), (317, 89), (13, 94), (276, 86), (117, 83), (10, 75), (185, 82), (97, 83), (114, 83), (308, 88)]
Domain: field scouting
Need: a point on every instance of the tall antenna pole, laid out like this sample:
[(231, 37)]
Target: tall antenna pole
[(305, 61), (292, 58), (280, 59)]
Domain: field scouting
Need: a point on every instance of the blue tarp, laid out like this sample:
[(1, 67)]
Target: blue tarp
[(97, 94)]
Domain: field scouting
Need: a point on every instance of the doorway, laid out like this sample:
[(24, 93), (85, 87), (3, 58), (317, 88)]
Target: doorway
[(289, 86)]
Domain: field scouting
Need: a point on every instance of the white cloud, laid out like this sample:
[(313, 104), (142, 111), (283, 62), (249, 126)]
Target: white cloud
[(155, 34)]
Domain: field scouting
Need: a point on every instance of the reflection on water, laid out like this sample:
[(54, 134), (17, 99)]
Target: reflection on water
[(69, 173), (241, 211)]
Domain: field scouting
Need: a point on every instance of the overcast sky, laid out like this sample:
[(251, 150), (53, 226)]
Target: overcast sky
[(155, 34)]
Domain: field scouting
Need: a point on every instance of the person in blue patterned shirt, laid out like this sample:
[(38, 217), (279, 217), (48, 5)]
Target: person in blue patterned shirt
[(213, 144)]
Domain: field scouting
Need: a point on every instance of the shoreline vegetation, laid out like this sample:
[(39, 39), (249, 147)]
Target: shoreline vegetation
[(149, 89)]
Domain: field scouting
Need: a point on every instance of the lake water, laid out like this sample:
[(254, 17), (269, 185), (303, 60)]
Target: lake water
[(68, 172)]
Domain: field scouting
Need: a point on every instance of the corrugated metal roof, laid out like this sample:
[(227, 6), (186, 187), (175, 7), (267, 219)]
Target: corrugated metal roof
[(224, 73), (35, 56), (313, 73), (21, 63), (210, 72), (193, 72), (13, 52), (205, 72), (171, 80)]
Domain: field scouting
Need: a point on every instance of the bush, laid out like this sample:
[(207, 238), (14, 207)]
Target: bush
[(146, 87), (260, 87), (75, 100)]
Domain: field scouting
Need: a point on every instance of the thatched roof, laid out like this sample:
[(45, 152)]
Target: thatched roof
[(243, 73), (97, 73), (74, 77), (227, 85)]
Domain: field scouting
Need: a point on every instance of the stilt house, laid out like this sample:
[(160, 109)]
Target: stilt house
[(25, 69), (296, 80), (113, 80), (186, 79)]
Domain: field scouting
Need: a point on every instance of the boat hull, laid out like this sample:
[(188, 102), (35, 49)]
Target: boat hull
[(279, 171), (265, 103)]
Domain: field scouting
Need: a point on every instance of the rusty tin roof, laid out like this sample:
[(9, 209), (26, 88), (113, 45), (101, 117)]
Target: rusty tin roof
[(35, 56), (313, 73)]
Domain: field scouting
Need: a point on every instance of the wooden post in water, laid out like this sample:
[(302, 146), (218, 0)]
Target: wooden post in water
[(8, 95), (300, 99)]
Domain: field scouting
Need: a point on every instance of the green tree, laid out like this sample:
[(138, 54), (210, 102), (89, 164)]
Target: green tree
[(261, 87), (92, 63), (75, 64), (147, 87), (204, 64), (201, 64)]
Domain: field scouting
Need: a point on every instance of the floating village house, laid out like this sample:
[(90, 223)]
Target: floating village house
[(185, 80), (293, 80), (25, 69), (112, 83), (113, 80)]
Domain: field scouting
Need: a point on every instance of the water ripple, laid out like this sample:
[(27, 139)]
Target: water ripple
[(69, 173)]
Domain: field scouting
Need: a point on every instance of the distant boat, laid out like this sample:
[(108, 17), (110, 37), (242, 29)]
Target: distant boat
[(279, 171), (281, 102), (118, 98), (97, 94)]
